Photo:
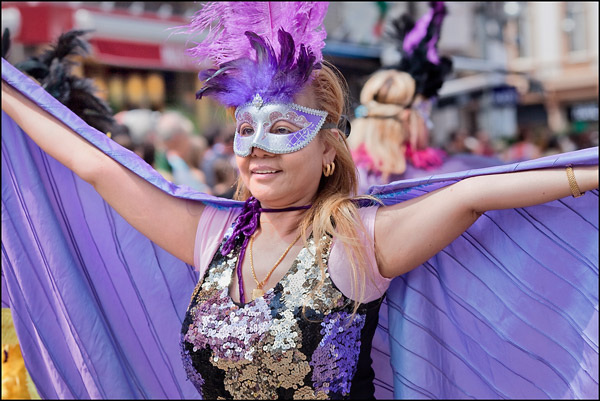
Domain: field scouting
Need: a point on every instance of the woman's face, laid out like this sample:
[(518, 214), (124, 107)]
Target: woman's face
[(288, 179)]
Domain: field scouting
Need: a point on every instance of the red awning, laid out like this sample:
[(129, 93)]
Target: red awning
[(118, 38), (141, 55)]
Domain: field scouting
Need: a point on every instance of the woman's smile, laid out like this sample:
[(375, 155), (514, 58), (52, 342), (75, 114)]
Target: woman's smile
[(264, 171)]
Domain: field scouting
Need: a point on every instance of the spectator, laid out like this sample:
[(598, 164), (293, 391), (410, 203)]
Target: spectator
[(174, 134), (225, 176), (524, 149), (220, 141), (456, 142)]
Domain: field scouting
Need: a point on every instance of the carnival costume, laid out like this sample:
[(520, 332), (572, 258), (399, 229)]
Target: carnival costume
[(416, 43), (507, 310)]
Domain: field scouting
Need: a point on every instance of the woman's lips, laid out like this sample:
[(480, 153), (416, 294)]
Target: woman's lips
[(264, 170)]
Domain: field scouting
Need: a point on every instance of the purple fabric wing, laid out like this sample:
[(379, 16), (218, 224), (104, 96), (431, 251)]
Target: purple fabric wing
[(98, 308), (507, 310)]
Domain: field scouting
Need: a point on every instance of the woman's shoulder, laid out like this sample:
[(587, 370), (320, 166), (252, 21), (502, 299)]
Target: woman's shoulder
[(338, 265), (212, 228)]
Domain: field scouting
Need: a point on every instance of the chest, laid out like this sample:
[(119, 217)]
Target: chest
[(301, 334)]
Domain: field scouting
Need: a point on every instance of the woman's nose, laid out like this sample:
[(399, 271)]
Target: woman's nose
[(258, 152)]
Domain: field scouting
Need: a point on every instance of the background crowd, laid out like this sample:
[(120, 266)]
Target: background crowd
[(204, 160)]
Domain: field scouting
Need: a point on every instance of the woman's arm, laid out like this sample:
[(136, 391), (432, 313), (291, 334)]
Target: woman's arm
[(168, 221), (409, 233)]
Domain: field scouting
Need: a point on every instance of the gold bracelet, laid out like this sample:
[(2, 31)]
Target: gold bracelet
[(573, 183)]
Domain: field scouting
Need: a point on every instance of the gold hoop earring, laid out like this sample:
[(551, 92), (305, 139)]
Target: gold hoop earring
[(328, 169)]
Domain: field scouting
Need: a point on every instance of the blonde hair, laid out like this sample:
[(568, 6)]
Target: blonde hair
[(334, 212), (390, 121)]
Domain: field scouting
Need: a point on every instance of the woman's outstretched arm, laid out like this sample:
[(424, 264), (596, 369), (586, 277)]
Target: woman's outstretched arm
[(409, 233), (168, 221)]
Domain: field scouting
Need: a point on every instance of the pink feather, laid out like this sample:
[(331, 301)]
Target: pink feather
[(226, 22)]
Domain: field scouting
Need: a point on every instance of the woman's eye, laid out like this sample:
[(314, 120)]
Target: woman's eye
[(282, 131), (247, 131)]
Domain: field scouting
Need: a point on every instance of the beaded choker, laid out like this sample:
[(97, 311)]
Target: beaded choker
[(245, 225)]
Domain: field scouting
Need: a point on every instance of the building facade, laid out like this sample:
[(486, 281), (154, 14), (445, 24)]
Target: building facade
[(557, 43), (136, 58), (516, 64)]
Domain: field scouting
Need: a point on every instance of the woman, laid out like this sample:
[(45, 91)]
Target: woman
[(290, 286), (391, 132)]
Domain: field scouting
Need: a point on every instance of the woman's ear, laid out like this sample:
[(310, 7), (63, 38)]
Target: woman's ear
[(329, 151)]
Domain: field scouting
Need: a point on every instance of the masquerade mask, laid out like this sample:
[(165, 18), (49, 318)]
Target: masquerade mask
[(269, 126)]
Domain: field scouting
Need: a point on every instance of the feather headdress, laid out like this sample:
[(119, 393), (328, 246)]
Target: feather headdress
[(265, 48), (417, 43)]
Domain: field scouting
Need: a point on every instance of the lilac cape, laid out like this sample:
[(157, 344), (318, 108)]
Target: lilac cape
[(508, 310)]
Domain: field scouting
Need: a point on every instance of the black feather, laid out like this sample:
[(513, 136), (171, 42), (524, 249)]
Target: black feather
[(53, 70), (428, 76), (5, 42)]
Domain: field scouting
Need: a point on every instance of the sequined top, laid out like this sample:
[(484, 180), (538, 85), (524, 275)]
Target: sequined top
[(267, 348)]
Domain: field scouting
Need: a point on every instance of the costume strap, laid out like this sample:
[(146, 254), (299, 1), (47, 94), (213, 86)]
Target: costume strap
[(245, 225)]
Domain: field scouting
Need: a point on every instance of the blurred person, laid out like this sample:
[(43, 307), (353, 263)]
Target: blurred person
[(484, 145), (220, 142), (456, 142), (525, 147), (199, 147), (469, 266), (391, 132), (198, 150), (585, 138), (552, 146), (141, 124), (174, 133), (225, 179)]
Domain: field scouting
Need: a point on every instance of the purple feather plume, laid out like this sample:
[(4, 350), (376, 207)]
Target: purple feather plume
[(427, 27), (269, 48), (227, 22), (418, 46)]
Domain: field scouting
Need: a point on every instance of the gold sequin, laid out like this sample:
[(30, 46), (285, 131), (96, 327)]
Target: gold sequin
[(259, 346)]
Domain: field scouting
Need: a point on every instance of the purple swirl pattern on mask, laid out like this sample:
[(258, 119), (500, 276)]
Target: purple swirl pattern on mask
[(291, 116)]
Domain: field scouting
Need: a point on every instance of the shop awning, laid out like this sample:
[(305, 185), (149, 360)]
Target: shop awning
[(118, 38)]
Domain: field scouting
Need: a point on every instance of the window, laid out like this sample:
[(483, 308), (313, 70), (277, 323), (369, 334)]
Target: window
[(574, 26), (523, 31)]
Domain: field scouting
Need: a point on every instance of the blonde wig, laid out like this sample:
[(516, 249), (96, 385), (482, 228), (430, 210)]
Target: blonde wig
[(390, 121)]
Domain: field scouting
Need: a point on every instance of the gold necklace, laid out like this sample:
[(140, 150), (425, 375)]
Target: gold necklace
[(258, 291)]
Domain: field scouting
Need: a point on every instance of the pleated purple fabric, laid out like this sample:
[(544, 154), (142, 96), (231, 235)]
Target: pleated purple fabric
[(508, 310)]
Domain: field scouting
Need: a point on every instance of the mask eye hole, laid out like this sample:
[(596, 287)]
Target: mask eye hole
[(283, 128), (246, 130)]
